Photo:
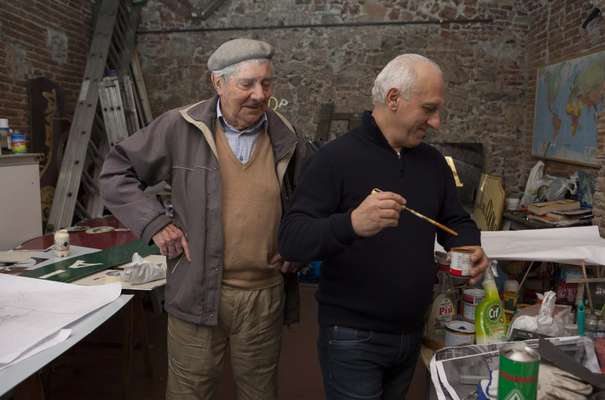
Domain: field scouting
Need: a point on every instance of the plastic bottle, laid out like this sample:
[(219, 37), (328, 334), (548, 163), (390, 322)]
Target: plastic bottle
[(443, 309), (591, 325), (581, 320), (509, 298), (490, 322)]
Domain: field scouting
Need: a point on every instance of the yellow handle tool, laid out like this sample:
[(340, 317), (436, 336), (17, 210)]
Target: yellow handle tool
[(424, 217)]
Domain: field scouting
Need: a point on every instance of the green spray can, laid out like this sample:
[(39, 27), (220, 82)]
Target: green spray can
[(518, 378)]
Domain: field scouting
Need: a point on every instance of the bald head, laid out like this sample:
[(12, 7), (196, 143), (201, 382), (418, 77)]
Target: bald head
[(402, 73)]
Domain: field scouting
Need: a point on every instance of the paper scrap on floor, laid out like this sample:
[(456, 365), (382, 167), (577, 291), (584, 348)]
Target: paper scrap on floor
[(34, 310)]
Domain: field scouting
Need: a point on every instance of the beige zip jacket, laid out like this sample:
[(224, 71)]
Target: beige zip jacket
[(178, 147)]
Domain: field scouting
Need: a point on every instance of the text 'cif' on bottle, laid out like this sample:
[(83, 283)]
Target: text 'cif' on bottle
[(490, 319)]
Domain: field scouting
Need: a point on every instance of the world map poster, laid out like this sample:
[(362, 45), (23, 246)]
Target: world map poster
[(569, 97)]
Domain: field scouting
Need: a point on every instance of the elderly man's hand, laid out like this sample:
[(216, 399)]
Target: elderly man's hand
[(377, 211), (480, 263), (284, 266), (172, 242)]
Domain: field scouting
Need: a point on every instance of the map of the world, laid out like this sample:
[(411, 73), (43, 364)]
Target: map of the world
[(569, 97)]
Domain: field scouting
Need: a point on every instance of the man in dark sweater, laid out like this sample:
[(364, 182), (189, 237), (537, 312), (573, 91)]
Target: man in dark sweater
[(378, 269)]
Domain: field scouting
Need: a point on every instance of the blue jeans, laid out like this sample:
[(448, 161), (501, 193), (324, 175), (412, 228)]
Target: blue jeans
[(359, 364)]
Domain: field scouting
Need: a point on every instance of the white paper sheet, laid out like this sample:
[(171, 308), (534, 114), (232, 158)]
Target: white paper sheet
[(32, 310), (573, 245), (50, 341)]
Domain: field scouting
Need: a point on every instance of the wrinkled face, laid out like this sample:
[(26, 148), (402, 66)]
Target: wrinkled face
[(245, 94), (412, 118)]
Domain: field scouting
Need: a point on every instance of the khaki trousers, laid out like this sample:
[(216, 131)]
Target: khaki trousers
[(250, 322)]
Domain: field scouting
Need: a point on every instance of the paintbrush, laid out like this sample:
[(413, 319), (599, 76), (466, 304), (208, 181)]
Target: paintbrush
[(424, 217)]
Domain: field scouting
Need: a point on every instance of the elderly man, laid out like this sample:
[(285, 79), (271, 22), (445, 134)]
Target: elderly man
[(230, 162), (378, 270)]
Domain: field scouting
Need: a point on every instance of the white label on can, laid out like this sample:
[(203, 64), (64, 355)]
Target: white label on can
[(470, 298), (469, 311), (461, 263)]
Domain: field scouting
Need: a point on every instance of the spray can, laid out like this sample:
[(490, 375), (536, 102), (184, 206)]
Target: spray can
[(518, 377)]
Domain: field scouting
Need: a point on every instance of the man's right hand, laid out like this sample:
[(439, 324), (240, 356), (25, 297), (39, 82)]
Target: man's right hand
[(172, 242), (376, 212)]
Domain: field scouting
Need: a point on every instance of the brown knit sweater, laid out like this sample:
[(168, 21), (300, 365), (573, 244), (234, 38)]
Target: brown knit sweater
[(251, 213)]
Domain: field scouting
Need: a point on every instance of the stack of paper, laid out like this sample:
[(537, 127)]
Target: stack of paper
[(33, 312)]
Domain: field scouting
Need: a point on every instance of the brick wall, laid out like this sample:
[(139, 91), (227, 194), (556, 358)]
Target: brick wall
[(556, 35), (484, 63), (41, 39)]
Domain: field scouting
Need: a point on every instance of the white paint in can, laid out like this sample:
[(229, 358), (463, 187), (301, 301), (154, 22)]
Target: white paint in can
[(62, 243), (459, 333), (471, 298), (461, 262)]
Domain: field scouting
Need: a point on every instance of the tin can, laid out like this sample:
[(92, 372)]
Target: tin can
[(518, 378), (62, 243), (18, 142), (471, 298), (461, 262), (459, 333)]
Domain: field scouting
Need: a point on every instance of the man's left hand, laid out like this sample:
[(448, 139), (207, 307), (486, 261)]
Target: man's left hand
[(285, 266), (480, 263)]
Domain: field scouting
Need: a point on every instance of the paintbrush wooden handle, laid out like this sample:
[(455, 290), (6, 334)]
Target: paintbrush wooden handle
[(424, 217)]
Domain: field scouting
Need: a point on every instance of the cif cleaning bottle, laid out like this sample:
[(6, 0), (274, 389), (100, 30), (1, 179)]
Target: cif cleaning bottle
[(490, 320)]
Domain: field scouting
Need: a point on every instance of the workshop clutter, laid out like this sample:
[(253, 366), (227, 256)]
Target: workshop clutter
[(516, 299), (516, 308), (556, 200)]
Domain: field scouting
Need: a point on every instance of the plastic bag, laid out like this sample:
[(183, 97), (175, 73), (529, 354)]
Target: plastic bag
[(534, 181), (560, 187), (552, 318), (142, 271), (547, 318)]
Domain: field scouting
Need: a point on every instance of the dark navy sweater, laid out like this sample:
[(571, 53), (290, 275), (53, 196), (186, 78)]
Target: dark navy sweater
[(384, 282)]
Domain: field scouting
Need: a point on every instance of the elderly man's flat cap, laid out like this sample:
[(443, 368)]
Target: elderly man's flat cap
[(238, 50)]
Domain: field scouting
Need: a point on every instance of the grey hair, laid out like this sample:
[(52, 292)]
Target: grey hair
[(399, 73), (225, 73)]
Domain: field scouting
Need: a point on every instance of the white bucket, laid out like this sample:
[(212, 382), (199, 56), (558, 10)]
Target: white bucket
[(459, 333), (471, 298)]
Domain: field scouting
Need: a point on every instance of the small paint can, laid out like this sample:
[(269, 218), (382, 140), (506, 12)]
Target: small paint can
[(62, 243), (471, 298), (461, 262), (459, 333)]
